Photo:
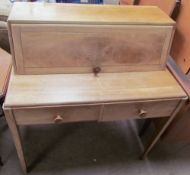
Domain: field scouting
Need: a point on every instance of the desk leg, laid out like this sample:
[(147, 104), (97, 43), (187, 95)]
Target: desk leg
[(162, 130), (16, 138)]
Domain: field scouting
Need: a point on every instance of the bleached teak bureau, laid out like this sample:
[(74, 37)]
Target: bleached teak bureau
[(62, 98), (110, 64)]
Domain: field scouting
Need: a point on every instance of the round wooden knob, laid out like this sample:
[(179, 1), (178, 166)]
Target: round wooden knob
[(142, 113), (58, 119), (96, 70)]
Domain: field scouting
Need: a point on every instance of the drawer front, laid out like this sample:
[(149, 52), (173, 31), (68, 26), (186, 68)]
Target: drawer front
[(43, 48), (57, 114), (138, 110)]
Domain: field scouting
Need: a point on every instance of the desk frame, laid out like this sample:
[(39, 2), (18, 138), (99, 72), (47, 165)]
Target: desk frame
[(19, 147)]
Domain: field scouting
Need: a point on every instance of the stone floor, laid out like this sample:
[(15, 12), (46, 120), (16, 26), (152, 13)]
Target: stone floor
[(90, 148)]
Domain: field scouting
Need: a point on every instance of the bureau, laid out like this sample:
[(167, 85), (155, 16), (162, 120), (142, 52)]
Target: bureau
[(54, 38), (89, 63), (63, 98)]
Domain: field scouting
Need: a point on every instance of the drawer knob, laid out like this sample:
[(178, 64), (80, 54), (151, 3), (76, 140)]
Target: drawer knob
[(96, 70), (58, 119), (142, 113)]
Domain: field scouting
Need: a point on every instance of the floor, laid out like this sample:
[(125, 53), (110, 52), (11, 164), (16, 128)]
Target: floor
[(90, 148)]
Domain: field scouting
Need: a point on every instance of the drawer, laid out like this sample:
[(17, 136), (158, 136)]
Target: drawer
[(138, 110), (57, 114)]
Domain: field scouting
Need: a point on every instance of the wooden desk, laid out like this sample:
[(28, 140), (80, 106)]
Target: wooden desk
[(62, 98)]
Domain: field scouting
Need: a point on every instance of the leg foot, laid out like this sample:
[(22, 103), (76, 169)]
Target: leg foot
[(16, 138)]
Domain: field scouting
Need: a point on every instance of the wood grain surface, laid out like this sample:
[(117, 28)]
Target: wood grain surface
[(47, 115), (95, 112), (90, 14), (75, 39), (123, 111), (45, 90), (77, 49)]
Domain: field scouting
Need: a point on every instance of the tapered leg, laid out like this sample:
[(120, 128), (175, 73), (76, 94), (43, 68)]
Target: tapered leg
[(161, 131), (16, 138)]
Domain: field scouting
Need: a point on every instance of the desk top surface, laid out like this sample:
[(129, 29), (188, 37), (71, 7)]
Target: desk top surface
[(87, 14), (74, 89)]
